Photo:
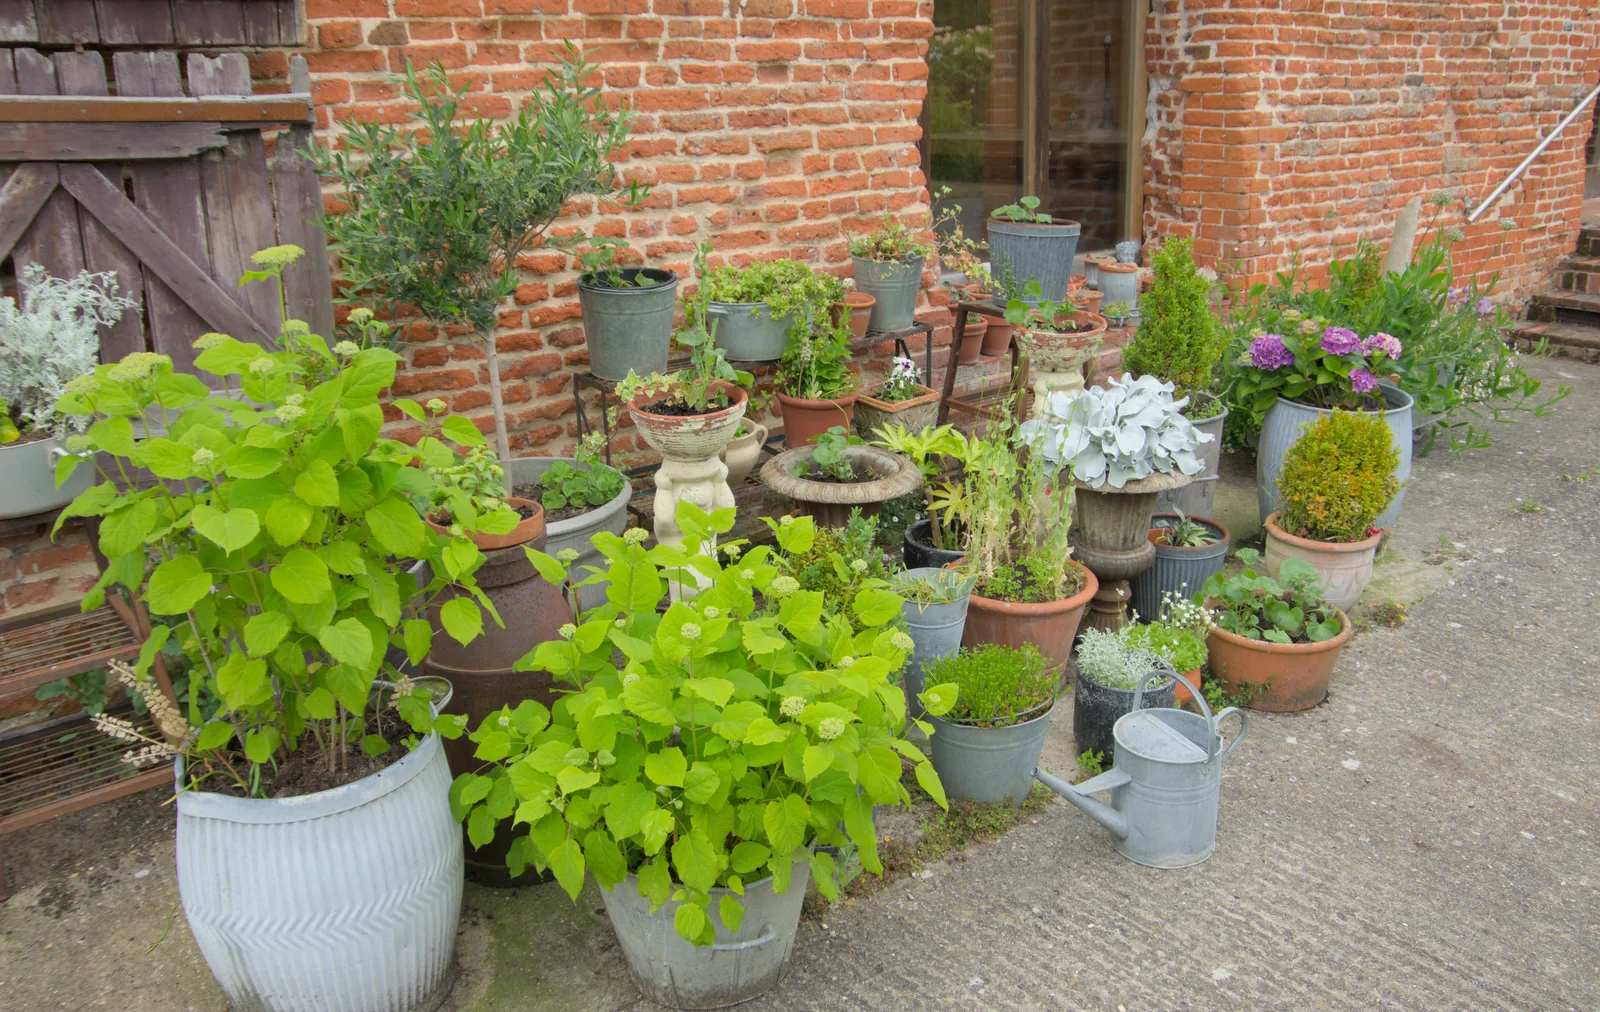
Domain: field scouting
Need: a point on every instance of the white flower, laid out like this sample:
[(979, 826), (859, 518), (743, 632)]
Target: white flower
[(210, 340), (261, 365), (786, 521), (712, 611), (505, 720), (902, 641), (289, 412), (846, 661), (792, 706), (635, 535), (785, 585), (346, 348), (436, 406), (747, 574), (620, 622), (830, 728), (568, 555), (690, 631), (733, 552), (294, 400), (202, 456), (568, 631), (630, 678)]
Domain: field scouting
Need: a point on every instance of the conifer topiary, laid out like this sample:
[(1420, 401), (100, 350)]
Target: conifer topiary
[(1178, 338), (1338, 477)]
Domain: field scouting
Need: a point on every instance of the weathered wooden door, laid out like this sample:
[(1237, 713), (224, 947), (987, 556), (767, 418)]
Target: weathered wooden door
[(173, 192)]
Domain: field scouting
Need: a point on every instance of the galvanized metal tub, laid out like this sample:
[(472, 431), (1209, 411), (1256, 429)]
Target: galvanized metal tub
[(629, 328), (895, 285), (30, 478), (747, 332), (935, 630), (576, 532), (346, 900), (1034, 251), (1283, 423), (988, 764), (1197, 497), (741, 965), (1180, 571)]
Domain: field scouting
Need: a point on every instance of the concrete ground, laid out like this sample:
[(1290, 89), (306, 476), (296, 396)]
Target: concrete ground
[(1425, 839)]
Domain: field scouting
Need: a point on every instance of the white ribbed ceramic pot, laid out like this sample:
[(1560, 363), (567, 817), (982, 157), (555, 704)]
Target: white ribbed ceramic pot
[(346, 900)]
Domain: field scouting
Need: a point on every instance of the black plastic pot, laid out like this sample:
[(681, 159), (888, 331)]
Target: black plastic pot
[(920, 551), (1096, 707)]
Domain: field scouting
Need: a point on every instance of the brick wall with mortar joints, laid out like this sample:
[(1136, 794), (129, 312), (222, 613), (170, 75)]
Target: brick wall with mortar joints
[(774, 129), (1280, 128)]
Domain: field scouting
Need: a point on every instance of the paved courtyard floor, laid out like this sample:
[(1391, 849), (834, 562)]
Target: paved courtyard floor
[(1426, 839)]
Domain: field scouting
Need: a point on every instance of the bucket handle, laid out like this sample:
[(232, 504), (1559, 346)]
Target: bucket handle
[(1244, 727), (1164, 669), (766, 936)]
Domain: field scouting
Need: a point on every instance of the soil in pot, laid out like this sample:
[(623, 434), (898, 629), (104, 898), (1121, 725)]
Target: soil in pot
[(919, 551)]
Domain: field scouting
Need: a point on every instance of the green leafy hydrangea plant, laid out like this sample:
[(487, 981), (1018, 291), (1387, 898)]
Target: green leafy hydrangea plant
[(740, 729)]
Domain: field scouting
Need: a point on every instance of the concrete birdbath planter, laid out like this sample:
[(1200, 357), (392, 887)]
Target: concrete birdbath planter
[(689, 445), (876, 476)]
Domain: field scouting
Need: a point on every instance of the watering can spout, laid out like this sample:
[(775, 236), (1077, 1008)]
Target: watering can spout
[(1114, 821)]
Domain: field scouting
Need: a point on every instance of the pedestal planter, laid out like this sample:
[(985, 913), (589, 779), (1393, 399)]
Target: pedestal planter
[(1295, 674), (988, 764), (1096, 709), (1111, 535), (894, 286), (915, 413), (742, 453), (1176, 570), (972, 339), (1346, 569), (741, 965), (831, 502), (30, 478), (1056, 361), (747, 331), (1282, 425), (629, 328), (346, 900), (1034, 251), (690, 468), (857, 308), (1051, 626), (576, 532), (805, 419), (1198, 497), (1119, 282), (935, 629), (919, 551), (529, 529)]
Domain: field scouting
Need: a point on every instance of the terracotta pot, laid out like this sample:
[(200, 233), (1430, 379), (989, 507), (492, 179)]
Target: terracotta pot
[(1346, 569), (530, 528), (1089, 300), (917, 413), (1051, 626), (1055, 352), (972, 339), (690, 437), (858, 306), (804, 420), (1076, 284), (996, 338), (1183, 695), (742, 453), (892, 476), (1296, 674)]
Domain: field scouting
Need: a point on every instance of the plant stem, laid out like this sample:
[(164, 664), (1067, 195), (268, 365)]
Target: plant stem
[(502, 444)]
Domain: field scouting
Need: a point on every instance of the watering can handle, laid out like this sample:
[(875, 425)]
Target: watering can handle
[(1163, 669), (1244, 726)]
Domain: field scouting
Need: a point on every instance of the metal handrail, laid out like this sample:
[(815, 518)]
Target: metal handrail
[(1533, 155)]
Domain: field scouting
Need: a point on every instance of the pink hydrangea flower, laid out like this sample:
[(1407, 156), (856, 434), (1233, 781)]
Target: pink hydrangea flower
[(1268, 352), (1340, 341), (1386, 343), (1362, 381)]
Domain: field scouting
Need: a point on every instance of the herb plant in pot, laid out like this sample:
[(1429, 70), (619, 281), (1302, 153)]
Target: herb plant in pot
[(46, 342), (1276, 638), (1336, 479), (1110, 666), (935, 613), (698, 779), (469, 499), (1177, 635), (627, 312), (988, 743), (939, 539), (757, 308), (318, 860), (581, 496), (1187, 551), (839, 474), (815, 387), (1058, 341), (888, 266), (901, 399), (1033, 247)]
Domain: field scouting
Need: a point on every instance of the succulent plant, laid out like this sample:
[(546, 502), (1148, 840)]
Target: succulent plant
[(1119, 433)]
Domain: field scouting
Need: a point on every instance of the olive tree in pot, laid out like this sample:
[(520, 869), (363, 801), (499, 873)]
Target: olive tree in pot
[(1110, 665), (46, 342), (1336, 479), (888, 266), (839, 475), (988, 743), (703, 852), (319, 864), (438, 215)]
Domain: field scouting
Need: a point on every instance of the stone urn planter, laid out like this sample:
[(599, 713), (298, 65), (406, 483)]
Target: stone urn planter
[(1055, 360), (743, 451), (1283, 423), (935, 627), (748, 332), (1198, 497), (895, 286), (915, 413), (1177, 570), (1111, 535), (1346, 568), (29, 466), (629, 327), (577, 532), (805, 419), (989, 764), (1051, 626), (691, 468), (856, 309), (1288, 676), (1034, 251), (888, 476), (292, 912), (531, 527)]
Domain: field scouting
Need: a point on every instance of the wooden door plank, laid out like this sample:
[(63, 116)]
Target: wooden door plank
[(261, 22), (17, 21), (21, 199), (65, 22), (169, 195), (209, 23), (268, 109), (85, 74), (297, 203), (291, 23), (53, 239), (135, 22), (8, 73), (88, 142), (159, 253)]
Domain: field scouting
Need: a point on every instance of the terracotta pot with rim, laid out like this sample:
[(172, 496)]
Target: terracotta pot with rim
[(530, 528), (996, 338), (972, 339), (1296, 674), (1090, 300), (857, 310), (1051, 626), (1346, 568), (690, 437), (805, 419)]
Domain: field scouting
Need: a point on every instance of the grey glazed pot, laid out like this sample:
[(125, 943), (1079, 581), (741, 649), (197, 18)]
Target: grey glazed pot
[(1285, 420), (576, 532), (988, 764), (30, 478), (1196, 499), (628, 328), (747, 332), (935, 628), (895, 286), (1181, 571), (1034, 252)]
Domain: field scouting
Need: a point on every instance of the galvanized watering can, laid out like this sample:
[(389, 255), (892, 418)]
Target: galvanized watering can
[(1165, 782)]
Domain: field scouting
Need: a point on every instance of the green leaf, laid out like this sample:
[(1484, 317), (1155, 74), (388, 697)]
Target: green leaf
[(410, 408), (785, 823), (302, 578), (655, 883), (876, 607), (700, 784), (419, 639), (113, 435), (319, 704), (317, 485), (177, 585), (480, 827), (462, 619), (928, 777), (801, 611), (287, 520), (350, 687), (397, 527), (342, 557), (254, 461), (690, 922), (732, 912), (243, 683), (605, 858), (817, 759), (878, 771), (360, 427), (940, 698), (460, 556), (348, 642), (654, 828), (459, 430), (666, 767), (214, 735), (566, 861), (261, 743), (166, 458), (748, 856), (551, 570), (629, 803), (232, 530), (263, 632), (474, 788), (695, 861), (374, 745), (651, 699), (716, 690), (123, 530), (863, 832), (824, 873)]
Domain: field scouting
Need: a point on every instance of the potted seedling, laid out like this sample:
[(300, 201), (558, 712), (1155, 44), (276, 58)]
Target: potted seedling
[(758, 308), (1110, 665), (627, 310), (1187, 551), (988, 743), (838, 474), (888, 266), (1275, 640), (939, 538), (1117, 314), (469, 499), (1057, 338), (814, 386), (901, 399), (1336, 479), (1033, 248), (49, 337)]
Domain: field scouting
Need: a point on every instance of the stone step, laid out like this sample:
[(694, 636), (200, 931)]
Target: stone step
[(1579, 274), (1566, 307), (1589, 240), (1574, 340)]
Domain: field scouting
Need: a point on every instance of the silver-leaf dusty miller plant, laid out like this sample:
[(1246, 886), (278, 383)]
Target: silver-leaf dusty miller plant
[(1119, 433), (52, 339), (1107, 658)]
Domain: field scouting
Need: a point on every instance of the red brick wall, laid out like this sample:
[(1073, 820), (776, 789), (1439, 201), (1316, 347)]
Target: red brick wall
[(1280, 127), (36, 572), (771, 127)]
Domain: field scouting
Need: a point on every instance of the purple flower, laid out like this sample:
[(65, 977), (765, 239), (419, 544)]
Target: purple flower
[(1458, 295), (1386, 343), (1362, 381), (1485, 307), (1340, 341), (1267, 352)]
